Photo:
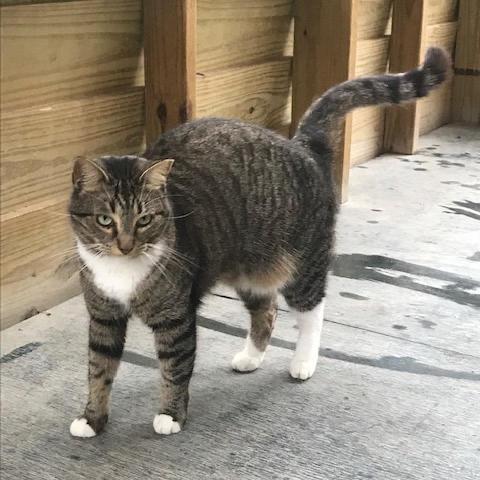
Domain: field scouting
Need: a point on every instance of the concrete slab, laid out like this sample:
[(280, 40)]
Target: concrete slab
[(395, 394)]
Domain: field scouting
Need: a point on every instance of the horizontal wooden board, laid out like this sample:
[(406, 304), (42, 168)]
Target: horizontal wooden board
[(39, 143), (372, 56), (234, 10), (55, 51), (256, 93), (373, 18), (228, 42), (441, 11), (33, 245), (368, 125)]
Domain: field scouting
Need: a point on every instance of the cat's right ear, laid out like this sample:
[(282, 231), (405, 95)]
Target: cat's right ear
[(88, 175)]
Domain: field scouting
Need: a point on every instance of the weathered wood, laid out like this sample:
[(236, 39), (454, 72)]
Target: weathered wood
[(256, 93), (317, 66), (408, 37), (170, 44), (57, 51), (466, 90)]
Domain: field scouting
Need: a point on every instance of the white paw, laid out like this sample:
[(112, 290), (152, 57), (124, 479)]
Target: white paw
[(302, 368), (243, 362), (80, 428), (164, 425)]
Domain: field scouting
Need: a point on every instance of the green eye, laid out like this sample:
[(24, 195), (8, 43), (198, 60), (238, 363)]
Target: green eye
[(144, 221), (104, 220)]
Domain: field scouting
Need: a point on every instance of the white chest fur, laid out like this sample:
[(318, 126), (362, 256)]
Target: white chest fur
[(118, 277)]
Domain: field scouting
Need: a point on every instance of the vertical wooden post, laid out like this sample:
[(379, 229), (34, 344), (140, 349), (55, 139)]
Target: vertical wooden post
[(407, 44), (170, 40), (324, 54), (466, 84)]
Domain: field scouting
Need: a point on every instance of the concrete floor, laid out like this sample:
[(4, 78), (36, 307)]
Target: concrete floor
[(397, 390)]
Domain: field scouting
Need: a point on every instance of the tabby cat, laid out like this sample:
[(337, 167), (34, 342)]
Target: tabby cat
[(215, 200)]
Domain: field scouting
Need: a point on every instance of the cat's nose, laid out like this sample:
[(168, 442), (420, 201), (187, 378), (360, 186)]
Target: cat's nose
[(125, 244)]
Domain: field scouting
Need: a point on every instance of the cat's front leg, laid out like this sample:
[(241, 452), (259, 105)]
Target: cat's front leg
[(175, 343), (106, 340)]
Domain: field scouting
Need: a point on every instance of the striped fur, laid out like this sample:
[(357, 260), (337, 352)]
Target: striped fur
[(241, 204)]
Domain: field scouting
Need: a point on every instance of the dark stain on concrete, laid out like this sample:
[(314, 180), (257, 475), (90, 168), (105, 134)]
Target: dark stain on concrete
[(376, 210), (446, 163), (406, 160), (473, 186), (399, 327), (392, 363), (475, 257), (427, 324), (20, 352), (450, 182), (431, 148), (466, 207), (365, 267), (372, 221), (361, 166), (420, 169), (353, 296)]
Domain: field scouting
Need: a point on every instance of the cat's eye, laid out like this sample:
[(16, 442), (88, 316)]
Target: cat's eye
[(144, 221), (104, 220)]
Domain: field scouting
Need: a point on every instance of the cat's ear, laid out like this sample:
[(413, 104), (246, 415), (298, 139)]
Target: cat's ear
[(88, 174), (155, 176)]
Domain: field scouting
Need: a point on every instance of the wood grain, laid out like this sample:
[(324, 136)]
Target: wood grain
[(406, 50), (39, 143), (373, 18), (245, 41), (170, 63), (440, 11), (56, 51), (317, 66), (257, 93)]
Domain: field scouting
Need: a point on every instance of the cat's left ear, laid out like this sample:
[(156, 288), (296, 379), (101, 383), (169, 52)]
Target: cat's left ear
[(156, 175)]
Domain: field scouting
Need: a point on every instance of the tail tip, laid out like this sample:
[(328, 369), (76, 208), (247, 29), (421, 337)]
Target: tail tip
[(438, 62)]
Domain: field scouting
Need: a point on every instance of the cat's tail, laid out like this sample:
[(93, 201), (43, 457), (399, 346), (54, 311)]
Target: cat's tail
[(320, 122)]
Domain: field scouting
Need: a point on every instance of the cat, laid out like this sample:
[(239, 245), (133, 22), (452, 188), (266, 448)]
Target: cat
[(215, 200)]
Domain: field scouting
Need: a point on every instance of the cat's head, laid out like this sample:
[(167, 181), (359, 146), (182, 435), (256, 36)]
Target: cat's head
[(119, 205)]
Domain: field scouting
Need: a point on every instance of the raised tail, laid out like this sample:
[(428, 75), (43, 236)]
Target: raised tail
[(323, 117)]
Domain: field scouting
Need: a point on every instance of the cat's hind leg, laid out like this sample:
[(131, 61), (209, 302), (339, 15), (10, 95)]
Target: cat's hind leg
[(263, 311), (306, 299)]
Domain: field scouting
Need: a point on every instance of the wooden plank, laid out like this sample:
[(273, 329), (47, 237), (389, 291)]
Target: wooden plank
[(170, 43), (229, 42), (406, 50), (372, 56), (57, 51), (318, 65), (435, 110), (32, 248), (466, 89), (466, 99), (368, 125), (39, 143), (257, 93), (373, 18), (233, 10), (440, 11)]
